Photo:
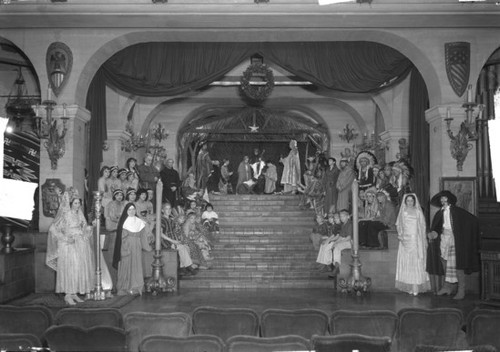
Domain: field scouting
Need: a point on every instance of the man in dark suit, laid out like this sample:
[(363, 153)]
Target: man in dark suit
[(171, 183)]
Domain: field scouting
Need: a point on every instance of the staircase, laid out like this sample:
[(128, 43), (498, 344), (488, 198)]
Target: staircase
[(263, 243)]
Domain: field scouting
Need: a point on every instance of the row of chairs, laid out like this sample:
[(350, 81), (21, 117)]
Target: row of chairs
[(405, 330)]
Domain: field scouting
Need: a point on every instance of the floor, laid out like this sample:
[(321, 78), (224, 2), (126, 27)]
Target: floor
[(187, 300)]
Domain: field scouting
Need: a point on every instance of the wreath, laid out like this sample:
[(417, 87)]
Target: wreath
[(257, 92)]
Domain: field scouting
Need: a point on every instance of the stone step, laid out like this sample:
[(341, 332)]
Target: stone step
[(257, 275), (263, 257), (269, 230), (263, 221), (261, 247), (261, 266), (252, 197), (223, 207), (264, 213), (303, 240), (254, 285)]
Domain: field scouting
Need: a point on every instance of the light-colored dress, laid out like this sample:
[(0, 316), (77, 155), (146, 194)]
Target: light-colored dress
[(130, 274), (411, 259)]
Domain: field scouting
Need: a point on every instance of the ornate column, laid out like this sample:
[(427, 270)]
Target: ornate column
[(112, 150), (70, 169), (391, 139)]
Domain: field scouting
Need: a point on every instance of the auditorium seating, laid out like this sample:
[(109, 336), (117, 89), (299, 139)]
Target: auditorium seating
[(483, 327), (193, 343), (75, 338), (376, 323), (241, 343), (302, 322), (140, 325), (89, 317), (437, 326), (18, 342), (27, 319), (350, 342), (225, 322)]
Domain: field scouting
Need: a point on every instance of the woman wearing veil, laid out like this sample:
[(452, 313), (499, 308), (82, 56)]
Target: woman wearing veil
[(69, 250), (411, 276), (131, 238)]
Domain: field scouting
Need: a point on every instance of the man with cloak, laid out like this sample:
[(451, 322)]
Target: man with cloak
[(290, 178)]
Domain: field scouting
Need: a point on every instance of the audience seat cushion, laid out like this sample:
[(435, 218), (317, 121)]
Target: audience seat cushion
[(27, 319), (350, 342), (302, 322), (437, 326), (193, 343), (18, 342), (480, 348), (483, 327), (241, 343), (225, 322), (75, 338), (370, 323), (89, 317), (140, 325)]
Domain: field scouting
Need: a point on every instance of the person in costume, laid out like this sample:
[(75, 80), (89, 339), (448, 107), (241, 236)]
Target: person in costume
[(411, 276), (131, 239), (271, 176), (290, 178), (113, 210), (455, 232), (204, 166), (244, 175), (69, 250), (366, 176), (171, 183), (330, 178), (344, 183)]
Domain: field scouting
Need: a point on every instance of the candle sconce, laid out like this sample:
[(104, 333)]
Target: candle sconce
[(460, 143), (51, 130)]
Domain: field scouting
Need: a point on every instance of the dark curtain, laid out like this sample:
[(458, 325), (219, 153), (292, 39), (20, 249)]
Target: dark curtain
[(358, 67), (419, 138), (96, 104)]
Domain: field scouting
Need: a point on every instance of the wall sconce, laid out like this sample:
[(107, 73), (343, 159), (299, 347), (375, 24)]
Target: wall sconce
[(460, 144), (348, 134), (49, 127)]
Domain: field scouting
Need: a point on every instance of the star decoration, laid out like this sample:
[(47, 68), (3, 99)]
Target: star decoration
[(254, 129)]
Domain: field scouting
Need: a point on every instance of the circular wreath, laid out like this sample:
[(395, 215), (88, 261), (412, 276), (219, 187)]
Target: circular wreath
[(257, 92)]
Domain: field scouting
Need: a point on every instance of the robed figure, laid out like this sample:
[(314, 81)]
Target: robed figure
[(171, 183), (290, 178)]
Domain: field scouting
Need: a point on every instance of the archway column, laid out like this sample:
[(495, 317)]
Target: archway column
[(441, 162), (71, 167), (391, 140), (114, 155)]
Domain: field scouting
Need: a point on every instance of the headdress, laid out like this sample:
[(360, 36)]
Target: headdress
[(384, 192), (116, 192), (372, 160), (122, 171), (72, 194), (436, 199), (371, 190), (113, 168), (130, 191)]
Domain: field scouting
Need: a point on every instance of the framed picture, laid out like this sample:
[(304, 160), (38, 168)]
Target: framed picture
[(465, 189)]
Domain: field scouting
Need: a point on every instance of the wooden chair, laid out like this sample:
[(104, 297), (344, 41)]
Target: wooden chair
[(483, 327), (19, 342), (89, 317), (140, 325), (377, 323), (350, 342), (301, 322), (225, 322), (241, 343), (193, 343), (75, 338), (25, 320)]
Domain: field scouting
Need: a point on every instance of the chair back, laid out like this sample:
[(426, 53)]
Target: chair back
[(436, 326), (18, 342), (193, 343), (376, 323), (241, 343), (75, 338), (483, 326), (225, 322), (301, 322), (26, 320), (89, 317), (351, 342), (140, 325)]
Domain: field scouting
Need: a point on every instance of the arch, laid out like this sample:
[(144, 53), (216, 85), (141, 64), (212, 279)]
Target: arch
[(403, 45)]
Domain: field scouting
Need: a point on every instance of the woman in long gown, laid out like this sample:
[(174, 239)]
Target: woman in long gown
[(411, 276), (102, 186), (69, 251), (127, 258)]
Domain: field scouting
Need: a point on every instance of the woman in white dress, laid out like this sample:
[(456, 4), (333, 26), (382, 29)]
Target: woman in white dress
[(411, 276)]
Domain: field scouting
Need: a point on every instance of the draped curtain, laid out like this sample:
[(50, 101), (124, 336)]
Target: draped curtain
[(165, 69), (419, 138)]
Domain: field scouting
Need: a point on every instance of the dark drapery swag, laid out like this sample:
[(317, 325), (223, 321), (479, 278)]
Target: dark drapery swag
[(419, 138), (165, 69), (96, 104)]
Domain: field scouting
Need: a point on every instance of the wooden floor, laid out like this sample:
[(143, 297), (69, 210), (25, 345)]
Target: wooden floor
[(326, 300)]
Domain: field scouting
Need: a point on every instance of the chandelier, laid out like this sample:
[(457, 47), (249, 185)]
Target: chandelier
[(19, 103), (348, 134)]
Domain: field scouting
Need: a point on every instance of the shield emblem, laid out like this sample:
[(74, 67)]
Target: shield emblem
[(457, 56), (59, 61)]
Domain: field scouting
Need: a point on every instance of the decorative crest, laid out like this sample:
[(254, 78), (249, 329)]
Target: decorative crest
[(457, 57)]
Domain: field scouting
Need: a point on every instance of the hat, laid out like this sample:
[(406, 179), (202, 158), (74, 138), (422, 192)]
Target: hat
[(436, 200), (122, 171), (384, 192), (113, 168), (376, 167), (130, 191), (371, 190), (116, 191), (344, 159)]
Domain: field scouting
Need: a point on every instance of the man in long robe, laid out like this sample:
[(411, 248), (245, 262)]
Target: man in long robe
[(291, 169), (330, 180), (171, 183), (271, 176), (344, 182), (244, 175), (455, 236), (203, 167)]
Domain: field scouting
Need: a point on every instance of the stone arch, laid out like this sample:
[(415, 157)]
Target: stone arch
[(403, 45)]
